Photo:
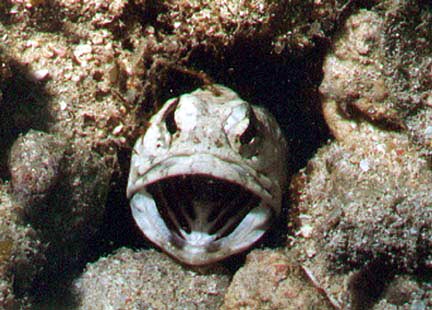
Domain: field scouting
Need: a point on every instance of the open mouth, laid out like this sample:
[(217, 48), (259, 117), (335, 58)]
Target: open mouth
[(199, 209), (199, 218)]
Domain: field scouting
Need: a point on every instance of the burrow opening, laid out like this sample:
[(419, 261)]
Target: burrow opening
[(286, 85), (23, 106)]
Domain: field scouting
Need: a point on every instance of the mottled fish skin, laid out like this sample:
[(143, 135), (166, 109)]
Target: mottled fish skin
[(206, 178)]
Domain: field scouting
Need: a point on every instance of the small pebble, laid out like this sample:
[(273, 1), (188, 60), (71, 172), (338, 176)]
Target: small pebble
[(306, 231), (428, 132), (82, 50), (364, 165), (117, 130), (62, 105), (40, 75)]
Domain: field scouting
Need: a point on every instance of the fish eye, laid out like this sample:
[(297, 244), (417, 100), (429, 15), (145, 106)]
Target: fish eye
[(170, 122), (249, 134)]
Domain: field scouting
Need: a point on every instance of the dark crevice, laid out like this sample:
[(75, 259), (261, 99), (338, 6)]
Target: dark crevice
[(119, 228), (47, 17), (144, 13), (172, 81), (286, 86), (369, 283), (23, 106)]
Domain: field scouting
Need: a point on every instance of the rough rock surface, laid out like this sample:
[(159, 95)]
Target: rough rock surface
[(148, 280), (35, 164), (272, 280), (86, 75), (405, 292), (62, 191), (78, 80), (364, 205), (392, 178), (362, 208), (379, 69), (21, 254)]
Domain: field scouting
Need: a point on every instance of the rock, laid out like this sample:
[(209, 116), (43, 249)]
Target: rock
[(382, 211), (22, 255), (374, 221), (354, 79), (61, 187), (406, 291), (62, 190), (271, 280), (364, 199), (34, 164), (148, 279), (136, 54), (379, 70)]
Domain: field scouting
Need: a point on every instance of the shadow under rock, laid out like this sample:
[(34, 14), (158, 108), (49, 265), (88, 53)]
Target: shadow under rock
[(23, 106)]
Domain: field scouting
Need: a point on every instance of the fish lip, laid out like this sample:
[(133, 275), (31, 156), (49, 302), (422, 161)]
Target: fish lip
[(210, 165), (254, 226)]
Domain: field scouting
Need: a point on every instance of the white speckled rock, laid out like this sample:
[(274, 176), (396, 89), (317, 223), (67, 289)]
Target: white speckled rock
[(148, 280)]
